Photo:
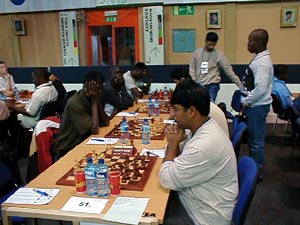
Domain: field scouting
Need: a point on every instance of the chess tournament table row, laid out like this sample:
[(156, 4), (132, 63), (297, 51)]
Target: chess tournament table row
[(158, 196)]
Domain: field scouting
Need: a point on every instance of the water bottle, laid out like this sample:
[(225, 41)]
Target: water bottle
[(156, 108), (2, 97), (124, 131), (146, 132), (102, 179), (90, 178), (166, 98), (17, 94), (150, 107)]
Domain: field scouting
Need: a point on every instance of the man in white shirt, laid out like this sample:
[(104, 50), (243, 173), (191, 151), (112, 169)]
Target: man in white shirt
[(7, 83), (257, 98), (200, 166), (133, 81), (43, 93)]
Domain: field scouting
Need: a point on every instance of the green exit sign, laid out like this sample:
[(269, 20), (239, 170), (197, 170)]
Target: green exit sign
[(183, 10), (111, 19)]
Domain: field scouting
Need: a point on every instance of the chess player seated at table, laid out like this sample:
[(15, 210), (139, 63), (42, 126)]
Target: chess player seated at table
[(115, 96), (44, 92), (7, 83), (180, 74), (199, 165), (134, 81), (83, 114)]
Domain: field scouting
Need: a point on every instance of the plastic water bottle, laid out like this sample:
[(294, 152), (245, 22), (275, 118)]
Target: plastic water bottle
[(17, 94), (146, 129), (90, 178), (102, 179), (156, 108), (150, 107), (124, 131), (166, 97), (2, 97)]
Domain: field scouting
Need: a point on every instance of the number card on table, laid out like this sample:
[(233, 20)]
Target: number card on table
[(85, 205)]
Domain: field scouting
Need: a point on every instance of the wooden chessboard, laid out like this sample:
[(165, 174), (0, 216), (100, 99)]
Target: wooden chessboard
[(135, 130), (135, 170), (164, 107)]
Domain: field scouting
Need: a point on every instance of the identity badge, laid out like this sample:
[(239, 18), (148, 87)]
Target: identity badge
[(204, 68)]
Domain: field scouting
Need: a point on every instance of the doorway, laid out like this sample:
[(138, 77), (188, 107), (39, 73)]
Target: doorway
[(113, 41)]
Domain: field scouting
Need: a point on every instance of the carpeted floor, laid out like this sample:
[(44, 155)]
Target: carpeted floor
[(277, 198)]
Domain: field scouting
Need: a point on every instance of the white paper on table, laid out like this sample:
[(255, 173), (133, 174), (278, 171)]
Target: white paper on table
[(128, 114), (127, 210), (102, 141), (169, 122), (29, 196), (86, 205), (160, 153)]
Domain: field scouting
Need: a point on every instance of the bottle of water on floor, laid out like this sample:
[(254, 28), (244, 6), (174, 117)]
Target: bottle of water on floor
[(124, 131), (102, 179), (146, 129), (90, 177)]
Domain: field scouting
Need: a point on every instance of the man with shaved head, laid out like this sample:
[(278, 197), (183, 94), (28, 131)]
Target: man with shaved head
[(257, 97)]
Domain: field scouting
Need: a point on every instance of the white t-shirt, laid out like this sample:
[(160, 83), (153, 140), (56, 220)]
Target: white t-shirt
[(131, 83), (3, 83), (43, 94)]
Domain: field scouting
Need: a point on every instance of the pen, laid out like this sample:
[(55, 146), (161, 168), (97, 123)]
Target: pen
[(40, 192), (97, 139), (152, 153)]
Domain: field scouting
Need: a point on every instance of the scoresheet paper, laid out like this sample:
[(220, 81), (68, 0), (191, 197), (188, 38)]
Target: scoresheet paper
[(127, 210)]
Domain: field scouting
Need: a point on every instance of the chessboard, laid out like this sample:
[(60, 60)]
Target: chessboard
[(164, 107), (135, 129), (135, 169)]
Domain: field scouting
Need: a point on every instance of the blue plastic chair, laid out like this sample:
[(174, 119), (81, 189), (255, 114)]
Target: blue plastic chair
[(238, 133), (8, 187), (247, 176)]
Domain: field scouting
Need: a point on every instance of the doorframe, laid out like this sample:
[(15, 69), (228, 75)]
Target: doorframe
[(127, 17)]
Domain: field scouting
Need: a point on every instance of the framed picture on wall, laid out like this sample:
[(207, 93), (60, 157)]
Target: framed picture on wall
[(289, 16), (213, 19), (19, 26)]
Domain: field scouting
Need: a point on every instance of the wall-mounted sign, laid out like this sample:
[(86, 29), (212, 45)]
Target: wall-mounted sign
[(183, 10), (69, 38), (111, 19), (153, 35)]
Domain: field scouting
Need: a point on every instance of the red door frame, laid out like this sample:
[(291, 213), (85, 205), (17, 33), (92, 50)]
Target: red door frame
[(127, 17)]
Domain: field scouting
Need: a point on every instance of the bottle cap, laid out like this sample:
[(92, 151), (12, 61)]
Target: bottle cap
[(101, 161)]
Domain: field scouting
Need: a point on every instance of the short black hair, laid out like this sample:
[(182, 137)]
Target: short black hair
[(212, 36), (2, 62), (179, 72), (189, 93), (288, 12), (140, 66), (280, 70), (93, 75), (41, 72)]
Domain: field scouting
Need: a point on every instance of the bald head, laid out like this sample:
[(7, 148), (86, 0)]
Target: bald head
[(258, 40)]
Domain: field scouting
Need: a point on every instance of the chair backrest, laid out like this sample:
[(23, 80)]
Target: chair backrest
[(247, 176), (277, 107), (7, 182), (236, 103), (68, 95), (49, 109), (237, 136)]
